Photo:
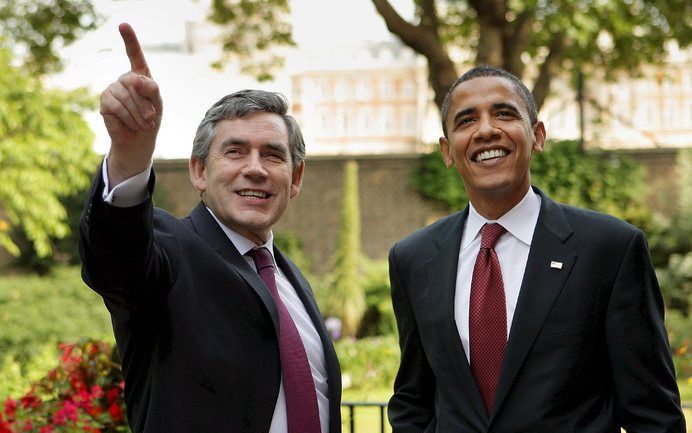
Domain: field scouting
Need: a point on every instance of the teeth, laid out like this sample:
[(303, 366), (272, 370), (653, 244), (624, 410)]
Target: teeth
[(489, 154), (258, 194)]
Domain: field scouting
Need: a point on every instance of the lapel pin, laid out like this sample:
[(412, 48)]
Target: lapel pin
[(556, 265)]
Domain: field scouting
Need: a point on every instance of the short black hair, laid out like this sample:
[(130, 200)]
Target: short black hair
[(491, 71)]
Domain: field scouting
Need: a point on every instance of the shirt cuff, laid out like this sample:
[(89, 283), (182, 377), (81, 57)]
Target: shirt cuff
[(128, 193)]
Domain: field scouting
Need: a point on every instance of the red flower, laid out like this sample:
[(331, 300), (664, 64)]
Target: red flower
[(96, 391), (46, 429), (27, 425), (4, 426), (115, 412), (30, 401), (112, 395), (10, 408)]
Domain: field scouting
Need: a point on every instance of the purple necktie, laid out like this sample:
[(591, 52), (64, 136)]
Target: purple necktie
[(301, 399), (487, 316)]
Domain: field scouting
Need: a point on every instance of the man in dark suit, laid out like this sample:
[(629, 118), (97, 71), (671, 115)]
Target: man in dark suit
[(218, 331), (519, 314)]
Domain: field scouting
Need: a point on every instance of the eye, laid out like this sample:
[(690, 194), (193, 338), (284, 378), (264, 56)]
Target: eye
[(232, 152), (275, 156), (505, 114), (463, 121)]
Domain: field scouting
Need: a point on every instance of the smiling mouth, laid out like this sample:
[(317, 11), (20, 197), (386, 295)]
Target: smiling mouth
[(490, 154), (253, 193)]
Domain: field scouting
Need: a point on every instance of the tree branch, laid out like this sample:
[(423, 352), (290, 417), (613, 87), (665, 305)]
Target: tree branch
[(491, 22), (516, 40), (423, 40), (549, 69)]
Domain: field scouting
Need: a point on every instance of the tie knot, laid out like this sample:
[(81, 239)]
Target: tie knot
[(490, 233), (262, 258)]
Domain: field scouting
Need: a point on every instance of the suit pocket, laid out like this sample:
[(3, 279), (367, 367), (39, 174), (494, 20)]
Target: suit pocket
[(567, 325)]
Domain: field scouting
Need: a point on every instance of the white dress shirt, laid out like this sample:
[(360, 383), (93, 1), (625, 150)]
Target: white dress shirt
[(512, 251), (134, 191)]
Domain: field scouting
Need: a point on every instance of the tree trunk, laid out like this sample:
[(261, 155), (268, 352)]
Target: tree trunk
[(548, 70), (425, 40)]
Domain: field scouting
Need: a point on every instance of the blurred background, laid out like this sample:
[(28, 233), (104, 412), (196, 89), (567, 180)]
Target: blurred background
[(612, 79)]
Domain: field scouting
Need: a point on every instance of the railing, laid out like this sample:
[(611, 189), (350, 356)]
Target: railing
[(352, 405)]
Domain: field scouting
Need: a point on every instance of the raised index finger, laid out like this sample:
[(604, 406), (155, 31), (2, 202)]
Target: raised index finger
[(134, 51)]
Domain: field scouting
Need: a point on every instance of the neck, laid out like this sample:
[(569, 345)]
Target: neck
[(494, 207)]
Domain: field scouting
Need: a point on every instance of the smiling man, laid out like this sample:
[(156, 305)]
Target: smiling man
[(519, 314), (217, 330)]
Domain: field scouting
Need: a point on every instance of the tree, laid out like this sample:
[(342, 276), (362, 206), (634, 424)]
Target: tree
[(347, 296), (252, 28), (45, 144), (548, 36), (39, 28)]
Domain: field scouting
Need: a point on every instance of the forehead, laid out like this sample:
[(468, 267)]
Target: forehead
[(259, 128), (482, 92)]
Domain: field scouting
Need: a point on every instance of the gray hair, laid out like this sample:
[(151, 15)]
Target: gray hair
[(491, 71), (240, 104)]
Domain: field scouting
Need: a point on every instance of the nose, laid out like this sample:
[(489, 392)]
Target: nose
[(486, 129), (253, 166)]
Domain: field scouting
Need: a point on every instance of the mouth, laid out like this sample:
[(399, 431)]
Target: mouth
[(490, 154), (253, 193)]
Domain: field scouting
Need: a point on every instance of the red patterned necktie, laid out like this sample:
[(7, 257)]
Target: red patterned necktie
[(487, 316), (302, 412)]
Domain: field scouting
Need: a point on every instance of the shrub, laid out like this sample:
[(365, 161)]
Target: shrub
[(379, 315), (35, 311), (83, 394), (608, 182), (369, 363)]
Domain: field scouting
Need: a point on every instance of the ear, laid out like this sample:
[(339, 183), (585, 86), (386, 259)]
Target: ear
[(446, 152), (539, 137), (198, 173), (297, 179)]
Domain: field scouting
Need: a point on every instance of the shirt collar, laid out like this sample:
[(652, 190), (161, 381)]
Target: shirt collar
[(243, 244), (520, 221)]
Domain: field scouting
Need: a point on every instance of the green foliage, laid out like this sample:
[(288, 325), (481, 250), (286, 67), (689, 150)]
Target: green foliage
[(292, 246), (84, 393), (368, 363), (379, 315), (346, 298), (17, 376), (39, 28), (670, 242), (679, 329), (539, 40), (35, 311), (45, 154), (610, 183), (251, 29), (607, 182), (676, 282)]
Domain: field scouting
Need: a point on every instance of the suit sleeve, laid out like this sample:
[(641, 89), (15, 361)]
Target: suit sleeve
[(411, 408), (646, 393), (120, 258)]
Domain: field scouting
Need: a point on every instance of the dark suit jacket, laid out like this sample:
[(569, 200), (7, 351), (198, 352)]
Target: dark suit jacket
[(195, 325), (587, 350)]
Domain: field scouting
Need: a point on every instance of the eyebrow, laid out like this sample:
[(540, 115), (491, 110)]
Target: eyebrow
[(506, 106), (234, 141), (496, 106)]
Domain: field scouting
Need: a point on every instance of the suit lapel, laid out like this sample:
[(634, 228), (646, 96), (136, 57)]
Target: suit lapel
[(541, 285), (208, 229), (441, 277)]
